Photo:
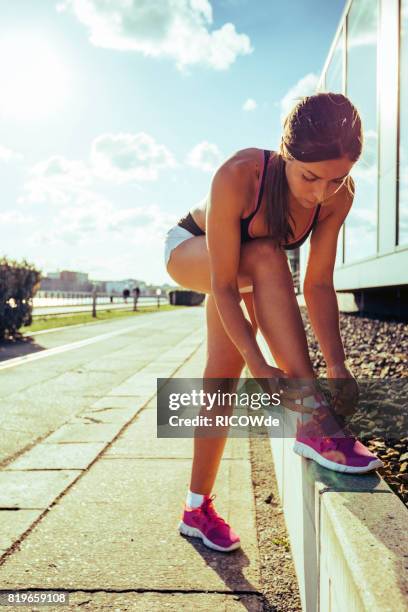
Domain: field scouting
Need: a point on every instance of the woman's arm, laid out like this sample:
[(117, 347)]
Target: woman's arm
[(229, 190), (318, 288), (321, 302)]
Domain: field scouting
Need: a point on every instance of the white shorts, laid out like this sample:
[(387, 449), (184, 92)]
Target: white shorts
[(175, 236)]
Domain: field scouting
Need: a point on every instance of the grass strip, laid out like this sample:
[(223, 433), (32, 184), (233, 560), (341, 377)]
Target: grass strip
[(42, 322)]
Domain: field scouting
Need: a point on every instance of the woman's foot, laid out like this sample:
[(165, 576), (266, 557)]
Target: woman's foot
[(204, 522), (323, 440)]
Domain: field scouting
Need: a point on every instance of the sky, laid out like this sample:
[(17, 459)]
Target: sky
[(115, 114)]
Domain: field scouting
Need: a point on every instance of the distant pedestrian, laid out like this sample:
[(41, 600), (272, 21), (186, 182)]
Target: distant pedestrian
[(126, 294), (136, 294)]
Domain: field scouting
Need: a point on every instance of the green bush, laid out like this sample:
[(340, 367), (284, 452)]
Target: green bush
[(19, 283)]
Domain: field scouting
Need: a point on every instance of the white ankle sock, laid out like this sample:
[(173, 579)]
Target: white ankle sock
[(194, 500)]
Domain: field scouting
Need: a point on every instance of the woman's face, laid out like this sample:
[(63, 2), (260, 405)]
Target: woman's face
[(314, 183)]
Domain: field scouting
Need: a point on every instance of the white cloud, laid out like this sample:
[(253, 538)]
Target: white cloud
[(97, 223), (14, 217), (363, 30), (177, 29), (108, 243), (249, 105), (78, 215), (7, 154), (205, 156), (114, 158), (129, 157), (56, 180), (306, 86), (363, 219)]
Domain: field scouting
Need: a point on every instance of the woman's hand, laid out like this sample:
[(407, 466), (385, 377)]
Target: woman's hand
[(339, 370), (269, 377), (344, 389)]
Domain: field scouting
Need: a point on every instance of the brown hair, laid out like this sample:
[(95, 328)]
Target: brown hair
[(319, 127)]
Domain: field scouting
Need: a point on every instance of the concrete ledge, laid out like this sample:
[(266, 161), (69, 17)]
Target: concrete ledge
[(348, 533)]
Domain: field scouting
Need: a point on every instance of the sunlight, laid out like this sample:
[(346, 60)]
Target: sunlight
[(33, 78)]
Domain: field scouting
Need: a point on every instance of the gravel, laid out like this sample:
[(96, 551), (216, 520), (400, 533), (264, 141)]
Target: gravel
[(279, 583), (375, 348)]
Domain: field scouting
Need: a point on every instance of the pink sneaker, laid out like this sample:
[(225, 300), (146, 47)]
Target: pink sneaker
[(204, 522), (341, 454)]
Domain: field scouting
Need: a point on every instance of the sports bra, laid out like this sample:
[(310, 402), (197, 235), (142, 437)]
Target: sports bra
[(189, 224)]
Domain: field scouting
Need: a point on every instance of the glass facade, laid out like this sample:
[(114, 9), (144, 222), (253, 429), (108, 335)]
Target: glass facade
[(334, 73), (368, 62), (403, 129), (361, 223), (334, 82)]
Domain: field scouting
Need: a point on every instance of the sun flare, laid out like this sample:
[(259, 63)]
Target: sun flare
[(33, 78)]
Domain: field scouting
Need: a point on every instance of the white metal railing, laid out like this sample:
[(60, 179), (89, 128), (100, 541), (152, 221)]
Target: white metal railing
[(50, 302)]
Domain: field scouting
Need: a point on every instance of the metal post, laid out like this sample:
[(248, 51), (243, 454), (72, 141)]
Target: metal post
[(94, 294), (158, 293)]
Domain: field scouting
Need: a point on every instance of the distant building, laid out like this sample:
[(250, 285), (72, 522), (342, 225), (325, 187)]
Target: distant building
[(66, 280), (119, 286), (71, 281), (74, 277)]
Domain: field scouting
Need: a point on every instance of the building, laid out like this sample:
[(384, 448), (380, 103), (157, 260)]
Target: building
[(66, 280), (74, 277), (117, 287), (368, 62)]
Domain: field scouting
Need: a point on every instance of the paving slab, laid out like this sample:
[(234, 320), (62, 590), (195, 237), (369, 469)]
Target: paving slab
[(140, 440), (156, 602), (81, 430), (109, 414), (117, 526), (57, 457), (115, 529), (13, 524), (36, 489), (113, 401)]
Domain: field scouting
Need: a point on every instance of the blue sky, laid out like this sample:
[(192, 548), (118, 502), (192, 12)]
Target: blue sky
[(116, 113)]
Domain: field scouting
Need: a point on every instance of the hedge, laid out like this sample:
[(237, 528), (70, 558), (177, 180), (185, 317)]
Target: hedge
[(19, 281)]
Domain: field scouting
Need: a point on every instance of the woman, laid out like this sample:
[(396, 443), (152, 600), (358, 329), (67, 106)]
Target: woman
[(232, 247)]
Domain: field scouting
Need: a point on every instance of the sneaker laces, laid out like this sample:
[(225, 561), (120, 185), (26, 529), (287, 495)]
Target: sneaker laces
[(208, 510), (321, 413)]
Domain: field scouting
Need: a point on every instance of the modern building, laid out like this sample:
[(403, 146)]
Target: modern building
[(368, 62)]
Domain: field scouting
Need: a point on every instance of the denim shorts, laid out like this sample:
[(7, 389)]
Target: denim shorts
[(175, 236)]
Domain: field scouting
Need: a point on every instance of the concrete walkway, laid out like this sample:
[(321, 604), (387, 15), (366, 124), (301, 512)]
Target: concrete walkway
[(93, 508)]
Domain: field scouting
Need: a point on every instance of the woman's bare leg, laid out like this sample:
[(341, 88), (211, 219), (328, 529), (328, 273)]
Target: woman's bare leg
[(223, 361), (277, 312)]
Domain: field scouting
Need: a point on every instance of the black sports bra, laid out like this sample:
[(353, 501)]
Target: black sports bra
[(189, 224)]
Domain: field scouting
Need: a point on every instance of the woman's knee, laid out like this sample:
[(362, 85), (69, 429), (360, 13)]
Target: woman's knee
[(223, 368), (261, 252)]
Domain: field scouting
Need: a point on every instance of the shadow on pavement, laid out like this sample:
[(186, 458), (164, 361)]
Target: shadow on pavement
[(9, 349), (229, 567)]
